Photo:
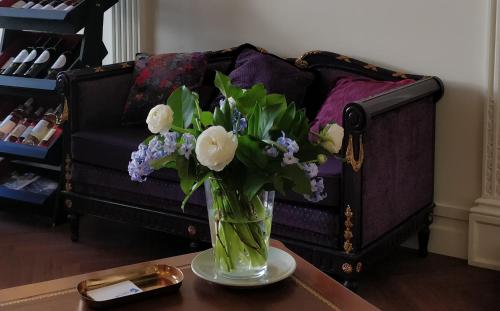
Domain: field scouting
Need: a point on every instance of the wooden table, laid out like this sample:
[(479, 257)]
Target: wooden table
[(308, 289)]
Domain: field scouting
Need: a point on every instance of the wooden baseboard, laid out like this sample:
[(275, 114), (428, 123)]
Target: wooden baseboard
[(484, 234)]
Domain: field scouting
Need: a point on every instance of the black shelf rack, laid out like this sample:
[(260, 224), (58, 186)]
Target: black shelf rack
[(45, 161)]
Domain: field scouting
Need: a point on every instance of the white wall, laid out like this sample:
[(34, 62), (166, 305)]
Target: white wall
[(447, 38)]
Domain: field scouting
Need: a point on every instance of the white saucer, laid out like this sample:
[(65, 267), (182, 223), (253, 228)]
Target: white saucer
[(280, 265)]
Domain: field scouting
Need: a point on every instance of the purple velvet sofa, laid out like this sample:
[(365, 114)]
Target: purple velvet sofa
[(381, 195)]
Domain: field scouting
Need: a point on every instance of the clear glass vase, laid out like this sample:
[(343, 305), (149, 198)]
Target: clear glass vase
[(240, 229)]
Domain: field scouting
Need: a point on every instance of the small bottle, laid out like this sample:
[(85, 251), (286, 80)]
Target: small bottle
[(61, 63), (7, 3), (11, 121), (73, 5), (19, 4), (20, 57), (7, 64), (30, 4), (43, 61), (30, 59), (40, 4), (30, 127), (51, 5), (23, 125), (42, 127), (63, 5), (45, 142)]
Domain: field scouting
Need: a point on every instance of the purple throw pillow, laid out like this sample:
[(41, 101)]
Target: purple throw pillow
[(346, 91), (156, 77), (277, 75)]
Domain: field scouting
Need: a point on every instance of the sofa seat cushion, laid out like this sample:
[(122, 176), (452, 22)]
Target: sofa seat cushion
[(111, 148), (307, 223)]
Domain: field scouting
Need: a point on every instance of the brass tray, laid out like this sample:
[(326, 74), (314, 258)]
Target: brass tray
[(152, 280)]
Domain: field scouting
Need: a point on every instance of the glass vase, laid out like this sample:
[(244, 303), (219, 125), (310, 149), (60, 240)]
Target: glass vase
[(240, 229)]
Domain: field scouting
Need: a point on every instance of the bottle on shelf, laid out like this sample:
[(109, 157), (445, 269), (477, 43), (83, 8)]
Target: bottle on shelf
[(7, 3), (10, 122), (16, 133), (7, 64), (18, 4), (61, 63), (32, 124), (30, 59), (30, 4), (51, 5), (43, 127), (73, 5), (63, 5), (40, 4), (43, 61), (45, 142), (20, 57)]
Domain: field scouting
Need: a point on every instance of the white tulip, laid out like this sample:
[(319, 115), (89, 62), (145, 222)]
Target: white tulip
[(215, 148), (160, 119), (331, 137)]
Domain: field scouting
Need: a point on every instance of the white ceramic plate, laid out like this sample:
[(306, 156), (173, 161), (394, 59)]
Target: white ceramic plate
[(280, 265)]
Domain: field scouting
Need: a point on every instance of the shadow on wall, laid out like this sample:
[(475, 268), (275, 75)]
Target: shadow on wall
[(459, 144)]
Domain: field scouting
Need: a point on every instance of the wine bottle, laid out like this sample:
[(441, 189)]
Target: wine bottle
[(30, 4), (40, 4), (51, 5), (23, 125), (43, 61), (19, 4), (42, 127), (7, 3), (7, 64), (61, 63), (45, 142), (63, 5), (20, 57), (73, 5), (32, 123), (10, 122), (32, 56)]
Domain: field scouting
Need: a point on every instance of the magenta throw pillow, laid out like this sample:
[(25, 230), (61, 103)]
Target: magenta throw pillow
[(156, 77), (346, 91)]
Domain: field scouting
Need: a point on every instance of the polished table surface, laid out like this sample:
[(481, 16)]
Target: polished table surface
[(307, 289)]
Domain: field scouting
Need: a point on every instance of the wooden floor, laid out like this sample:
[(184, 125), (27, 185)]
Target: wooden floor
[(33, 252)]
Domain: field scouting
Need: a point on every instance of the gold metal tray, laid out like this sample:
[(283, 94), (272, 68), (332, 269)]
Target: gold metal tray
[(152, 280)]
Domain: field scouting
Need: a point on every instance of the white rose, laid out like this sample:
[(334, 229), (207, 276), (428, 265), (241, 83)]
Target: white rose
[(215, 148), (331, 137), (160, 119)]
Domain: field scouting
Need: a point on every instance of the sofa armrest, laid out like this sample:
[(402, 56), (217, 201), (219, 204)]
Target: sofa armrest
[(96, 96), (389, 173)]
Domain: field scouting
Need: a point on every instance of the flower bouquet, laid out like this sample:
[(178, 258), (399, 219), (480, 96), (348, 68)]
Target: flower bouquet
[(252, 144)]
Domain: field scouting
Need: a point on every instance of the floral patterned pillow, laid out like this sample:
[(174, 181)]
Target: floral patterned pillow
[(156, 77)]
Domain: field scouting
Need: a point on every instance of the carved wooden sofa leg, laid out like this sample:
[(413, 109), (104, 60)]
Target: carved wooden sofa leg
[(74, 223)]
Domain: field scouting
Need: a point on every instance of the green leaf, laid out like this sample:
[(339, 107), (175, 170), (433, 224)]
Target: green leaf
[(183, 103), (256, 95), (218, 117), (166, 162), (254, 182), (206, 118), (148, 139), (285, 122), (275, 106), (193, 189), (301, 182), (279, 184), (250, 153), (223, 83), (186, 173)]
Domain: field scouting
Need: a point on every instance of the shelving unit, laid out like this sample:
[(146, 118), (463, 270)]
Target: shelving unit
[(27, 24)]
